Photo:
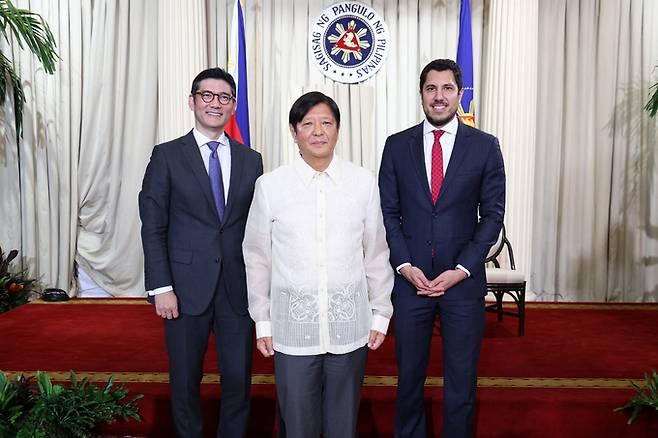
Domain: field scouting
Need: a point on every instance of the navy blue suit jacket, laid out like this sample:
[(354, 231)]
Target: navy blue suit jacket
[(466, 219), (185, 244)]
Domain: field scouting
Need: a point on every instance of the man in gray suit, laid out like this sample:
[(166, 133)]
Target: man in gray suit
[(194, 202)]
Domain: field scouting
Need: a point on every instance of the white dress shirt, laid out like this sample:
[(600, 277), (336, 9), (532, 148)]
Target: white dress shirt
[(318, 272), (224, 153), (447, 145)]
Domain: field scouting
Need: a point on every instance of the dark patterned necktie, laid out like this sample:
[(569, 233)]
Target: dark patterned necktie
[(216, 181), (437, 166)]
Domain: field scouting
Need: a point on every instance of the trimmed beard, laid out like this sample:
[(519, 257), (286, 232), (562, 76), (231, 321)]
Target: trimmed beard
[(438, 123)]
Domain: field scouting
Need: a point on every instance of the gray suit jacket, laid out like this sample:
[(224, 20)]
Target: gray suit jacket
[(185, 244)]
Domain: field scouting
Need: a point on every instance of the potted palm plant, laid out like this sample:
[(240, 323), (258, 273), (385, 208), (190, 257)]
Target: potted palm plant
[(648, 396), (29, 29)]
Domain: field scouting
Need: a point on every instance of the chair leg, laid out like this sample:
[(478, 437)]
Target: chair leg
[(499, 305), (522, 311)]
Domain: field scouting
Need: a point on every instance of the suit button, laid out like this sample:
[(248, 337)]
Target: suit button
[(221, 231), (434, 214), (429, 242), (217, 260)]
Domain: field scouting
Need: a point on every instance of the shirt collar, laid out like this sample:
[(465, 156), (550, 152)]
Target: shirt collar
[(202, 140), (333, 171), (450, 127), (307, 173)]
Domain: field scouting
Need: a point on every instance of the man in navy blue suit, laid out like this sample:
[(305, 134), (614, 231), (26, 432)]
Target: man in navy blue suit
[(442, 186), (194, 203)]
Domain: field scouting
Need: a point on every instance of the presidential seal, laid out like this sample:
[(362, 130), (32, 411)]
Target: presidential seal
[(349, 42)]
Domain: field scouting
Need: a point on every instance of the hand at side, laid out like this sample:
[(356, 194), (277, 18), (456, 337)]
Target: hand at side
[(166, 305), (264, 345), (376, 339)]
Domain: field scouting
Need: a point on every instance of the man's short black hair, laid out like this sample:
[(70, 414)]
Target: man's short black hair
[(303, 105), (213, 73), (442, 65)]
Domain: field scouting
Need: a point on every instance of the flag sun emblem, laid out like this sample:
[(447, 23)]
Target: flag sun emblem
[(349, 42)]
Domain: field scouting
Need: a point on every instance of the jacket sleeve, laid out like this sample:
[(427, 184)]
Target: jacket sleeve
[(154, 213), (391, 211), (491, 211)]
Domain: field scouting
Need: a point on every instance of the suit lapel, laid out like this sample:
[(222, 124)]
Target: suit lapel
[(418, 158), (459, 151), (194, 160), (237, 163)]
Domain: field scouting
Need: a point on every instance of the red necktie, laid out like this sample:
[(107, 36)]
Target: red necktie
[(437, 165)]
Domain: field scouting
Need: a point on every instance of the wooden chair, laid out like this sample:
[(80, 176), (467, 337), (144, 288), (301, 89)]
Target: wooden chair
[(505, 281)]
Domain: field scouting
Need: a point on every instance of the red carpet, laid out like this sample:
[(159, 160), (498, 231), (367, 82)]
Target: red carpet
[(561, 380)]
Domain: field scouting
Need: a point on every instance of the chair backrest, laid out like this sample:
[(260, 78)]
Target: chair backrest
[(497, 249)]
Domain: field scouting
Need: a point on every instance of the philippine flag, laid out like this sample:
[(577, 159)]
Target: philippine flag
[(238, 126), (466, 111)]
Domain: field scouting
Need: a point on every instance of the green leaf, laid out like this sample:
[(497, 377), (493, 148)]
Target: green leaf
[(45, 385), (634, 414), (652, 104), (651, 384), (645, 398), (31, 30)]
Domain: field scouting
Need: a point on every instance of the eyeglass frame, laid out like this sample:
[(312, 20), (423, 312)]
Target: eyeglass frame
[(220, 97)]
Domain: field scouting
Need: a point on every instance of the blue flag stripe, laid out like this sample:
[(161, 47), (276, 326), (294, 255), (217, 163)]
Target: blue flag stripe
[(465, 53), (242, 112)]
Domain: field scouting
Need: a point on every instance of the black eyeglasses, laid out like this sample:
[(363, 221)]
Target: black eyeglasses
[(208, 96)]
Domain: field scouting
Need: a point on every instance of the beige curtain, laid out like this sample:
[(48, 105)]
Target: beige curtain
[(181, 54), (509, 98), (119, 119), (72, 184), (596, 213), (564, 97)]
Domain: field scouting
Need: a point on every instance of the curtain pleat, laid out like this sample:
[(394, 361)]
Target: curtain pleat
[(596, 213)]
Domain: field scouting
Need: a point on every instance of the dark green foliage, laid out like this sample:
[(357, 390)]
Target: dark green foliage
[(15, 288), (11, 407), (58, 411), (25, 28), (647, 398), (652, 105)]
